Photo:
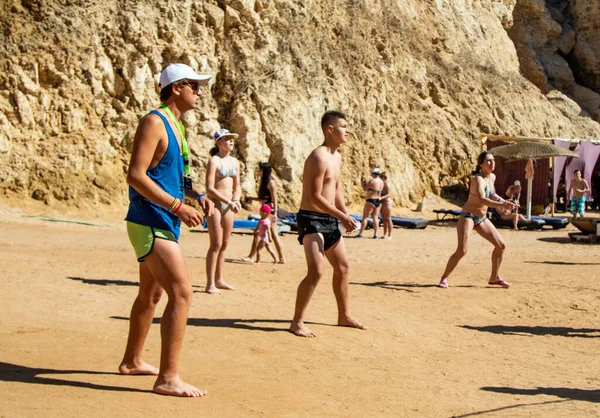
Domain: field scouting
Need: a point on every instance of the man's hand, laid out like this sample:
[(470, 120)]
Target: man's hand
[(349, 223), (207, 205), (190, 216)]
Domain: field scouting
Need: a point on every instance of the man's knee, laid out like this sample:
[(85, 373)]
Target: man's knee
[(150, 297), (501, 245), (224, 245), (183, 294), (315, 273), (342, 268)]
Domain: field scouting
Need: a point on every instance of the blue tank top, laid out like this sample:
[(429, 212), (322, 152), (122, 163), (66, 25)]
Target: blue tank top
[(168, 175)]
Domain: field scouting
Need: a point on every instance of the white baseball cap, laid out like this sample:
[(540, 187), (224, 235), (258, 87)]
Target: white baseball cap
[(376, 171), (176, 72), (222, 133)]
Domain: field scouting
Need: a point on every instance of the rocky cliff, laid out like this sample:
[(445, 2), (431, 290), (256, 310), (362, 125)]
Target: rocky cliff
[(421, 80)]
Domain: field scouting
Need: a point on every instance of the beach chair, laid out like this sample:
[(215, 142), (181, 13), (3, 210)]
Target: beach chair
[(555, 223), (499, 222), (454, 213), (410, 223), (588, 227)]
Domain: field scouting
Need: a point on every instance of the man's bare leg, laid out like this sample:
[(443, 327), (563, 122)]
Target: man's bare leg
[(168, 267), (140, 319), (313, 251), (339, 261), (227, 227)]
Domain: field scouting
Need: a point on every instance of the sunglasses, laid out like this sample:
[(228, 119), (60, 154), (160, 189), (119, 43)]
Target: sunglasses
[(194, 86)]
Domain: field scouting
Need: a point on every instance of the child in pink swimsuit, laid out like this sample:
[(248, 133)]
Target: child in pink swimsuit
[(264, 232)]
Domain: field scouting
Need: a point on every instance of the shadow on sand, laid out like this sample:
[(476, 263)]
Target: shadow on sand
[(406, 287), (104, 282), (568, 394), (562, 263), (521, 330), (247, 324), (23, 374), (571, 394), (557, 240)]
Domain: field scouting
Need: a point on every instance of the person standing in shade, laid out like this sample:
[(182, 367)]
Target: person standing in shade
[(386, 208), (267, 193), (372, 204), (577, 190), (223, 188), (482, 195), (321, 209), (158, 180)]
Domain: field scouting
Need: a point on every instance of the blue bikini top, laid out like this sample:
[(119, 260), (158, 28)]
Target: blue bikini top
[(224, 172)]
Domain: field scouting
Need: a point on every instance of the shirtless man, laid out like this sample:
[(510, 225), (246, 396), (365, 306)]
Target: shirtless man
[(373, 202), (321, 208), (473, 217), (514, 192), (513, 216), (158, 179), (577, 192)]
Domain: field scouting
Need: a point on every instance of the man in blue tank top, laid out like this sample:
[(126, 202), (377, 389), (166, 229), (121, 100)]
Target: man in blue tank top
[(158, 180)]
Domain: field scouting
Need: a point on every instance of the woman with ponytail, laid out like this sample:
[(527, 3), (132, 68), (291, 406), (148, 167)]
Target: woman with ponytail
[(482, 195)]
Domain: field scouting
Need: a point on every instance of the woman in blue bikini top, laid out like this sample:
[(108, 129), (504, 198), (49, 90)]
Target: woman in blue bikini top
[(482, 195)]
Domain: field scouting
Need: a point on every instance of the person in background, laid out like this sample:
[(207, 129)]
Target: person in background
[(514, 192), (386, 208), (577, 192), (267, 193), (264, 233), (223, 188), (373, 187)]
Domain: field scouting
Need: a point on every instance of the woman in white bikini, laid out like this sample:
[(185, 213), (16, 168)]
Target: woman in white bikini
[(223, 188), (473, 217)]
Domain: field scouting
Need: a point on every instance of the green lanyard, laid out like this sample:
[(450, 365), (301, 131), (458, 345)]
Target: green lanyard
[(181, 129)]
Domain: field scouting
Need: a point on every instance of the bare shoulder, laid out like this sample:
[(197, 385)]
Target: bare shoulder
[(214, 160)]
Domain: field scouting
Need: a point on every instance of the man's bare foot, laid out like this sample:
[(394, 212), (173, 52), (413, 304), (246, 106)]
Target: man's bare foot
[(281, 260), (177, 387), (141, 368), (350, 322), (223, 285), (212, 290), (247, 259), (300, 330)]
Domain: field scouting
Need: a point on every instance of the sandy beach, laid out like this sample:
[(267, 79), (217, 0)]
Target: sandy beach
[(471, 350)]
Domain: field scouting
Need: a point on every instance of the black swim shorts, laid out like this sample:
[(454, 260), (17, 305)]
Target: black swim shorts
[(314, 222), (375, 202)]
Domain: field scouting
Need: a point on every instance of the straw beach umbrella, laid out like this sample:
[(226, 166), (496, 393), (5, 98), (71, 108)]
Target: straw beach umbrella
[(531, 150)]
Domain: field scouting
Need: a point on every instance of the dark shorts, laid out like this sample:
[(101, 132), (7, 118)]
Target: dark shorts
[(375, 202), (318, 223)]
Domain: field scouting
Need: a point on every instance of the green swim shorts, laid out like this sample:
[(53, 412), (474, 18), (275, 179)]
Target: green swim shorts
[(142, 238)]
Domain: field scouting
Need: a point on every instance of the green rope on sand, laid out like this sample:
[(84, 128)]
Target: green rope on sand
[(71, 221)]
